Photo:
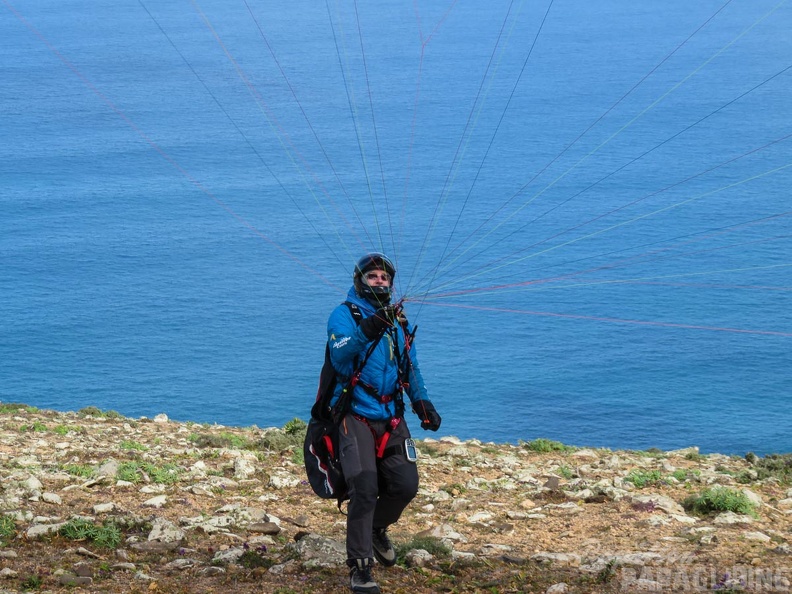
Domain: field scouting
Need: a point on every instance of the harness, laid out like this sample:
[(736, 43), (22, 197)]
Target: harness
[(403, 364)]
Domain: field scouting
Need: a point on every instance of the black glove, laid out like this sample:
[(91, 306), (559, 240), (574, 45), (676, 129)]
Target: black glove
[(381, 320), (426, 412)]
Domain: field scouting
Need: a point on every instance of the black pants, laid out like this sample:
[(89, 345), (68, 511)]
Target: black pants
[(379, 488)]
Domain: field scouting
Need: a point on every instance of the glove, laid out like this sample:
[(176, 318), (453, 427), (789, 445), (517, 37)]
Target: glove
[(376, 324), (426, 412), (382, 319)]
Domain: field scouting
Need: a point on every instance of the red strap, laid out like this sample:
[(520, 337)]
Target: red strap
[(381, 442)]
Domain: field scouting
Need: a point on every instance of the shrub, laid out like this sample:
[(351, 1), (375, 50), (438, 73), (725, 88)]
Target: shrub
[(546, 445), (772, 465), (642, 478), (92, 411), (13, 407), (720, 499), (432, 545), (295, 427), (107, 535)]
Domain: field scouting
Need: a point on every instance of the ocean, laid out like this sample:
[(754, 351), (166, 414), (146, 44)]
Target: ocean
[(588, 204)]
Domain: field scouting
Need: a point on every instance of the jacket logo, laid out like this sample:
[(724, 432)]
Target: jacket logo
[(341, 343)]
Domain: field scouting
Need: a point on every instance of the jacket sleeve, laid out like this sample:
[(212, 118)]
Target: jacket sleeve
[(346, 340), (417, 389)]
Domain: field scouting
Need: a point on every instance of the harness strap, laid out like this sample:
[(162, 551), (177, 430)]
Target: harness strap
[(381, 441)]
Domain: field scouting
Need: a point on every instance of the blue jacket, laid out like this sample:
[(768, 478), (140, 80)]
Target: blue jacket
[(347, 341)]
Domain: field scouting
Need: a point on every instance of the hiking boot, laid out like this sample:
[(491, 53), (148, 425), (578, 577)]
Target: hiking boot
[(360, 579), (383, 548)]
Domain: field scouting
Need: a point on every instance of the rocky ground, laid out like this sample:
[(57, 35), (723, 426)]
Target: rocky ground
[(95, 502)]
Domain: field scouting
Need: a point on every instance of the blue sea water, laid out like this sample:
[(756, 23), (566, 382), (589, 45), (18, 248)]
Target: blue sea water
[(588, 203)]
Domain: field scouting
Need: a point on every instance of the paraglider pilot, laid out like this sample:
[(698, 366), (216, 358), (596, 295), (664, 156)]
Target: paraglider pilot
[(376, 452)]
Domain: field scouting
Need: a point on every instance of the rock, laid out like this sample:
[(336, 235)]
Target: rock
[(165, 531), (586, 453), (181, 564), (560, 588), (83, 569), (418, 558), (32, 485), (662, 502), (318, 551), (684, 452), (730, 518), (562, 559), (481, 516), (103, 508), (8, 573), (443, 532), (243, 468), (155, 546), (52, 498), (108, 468), (785, 503), (39, 530), (756, 536), (69, 579), (753, 497), (86, 553), (161, 418), (264, 527), (156, 502), (123, 566), (283, 480), (211, 571), (493, 550)]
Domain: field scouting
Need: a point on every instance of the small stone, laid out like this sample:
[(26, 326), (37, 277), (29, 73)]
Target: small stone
[(83, 569), (418, 558), (264, 528), (161, 418), (103, 508), (86, 553), (756, 536), (69, 579), (560, 588), (156, 502), (124, 566), (52, 498), (8, 573), (728, 518)]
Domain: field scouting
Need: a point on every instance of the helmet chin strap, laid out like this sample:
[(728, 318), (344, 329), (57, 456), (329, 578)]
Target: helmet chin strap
[(376, 296)]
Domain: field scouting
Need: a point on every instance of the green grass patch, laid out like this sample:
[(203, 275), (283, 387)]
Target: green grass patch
[(643, 478), (33, 582), (565, 471), (720, 499), (543, 445), (36, 426), (107, 536), (129, 444), (221, 440), (7, 528), (430, 544), (165, 474), (81, 470)]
